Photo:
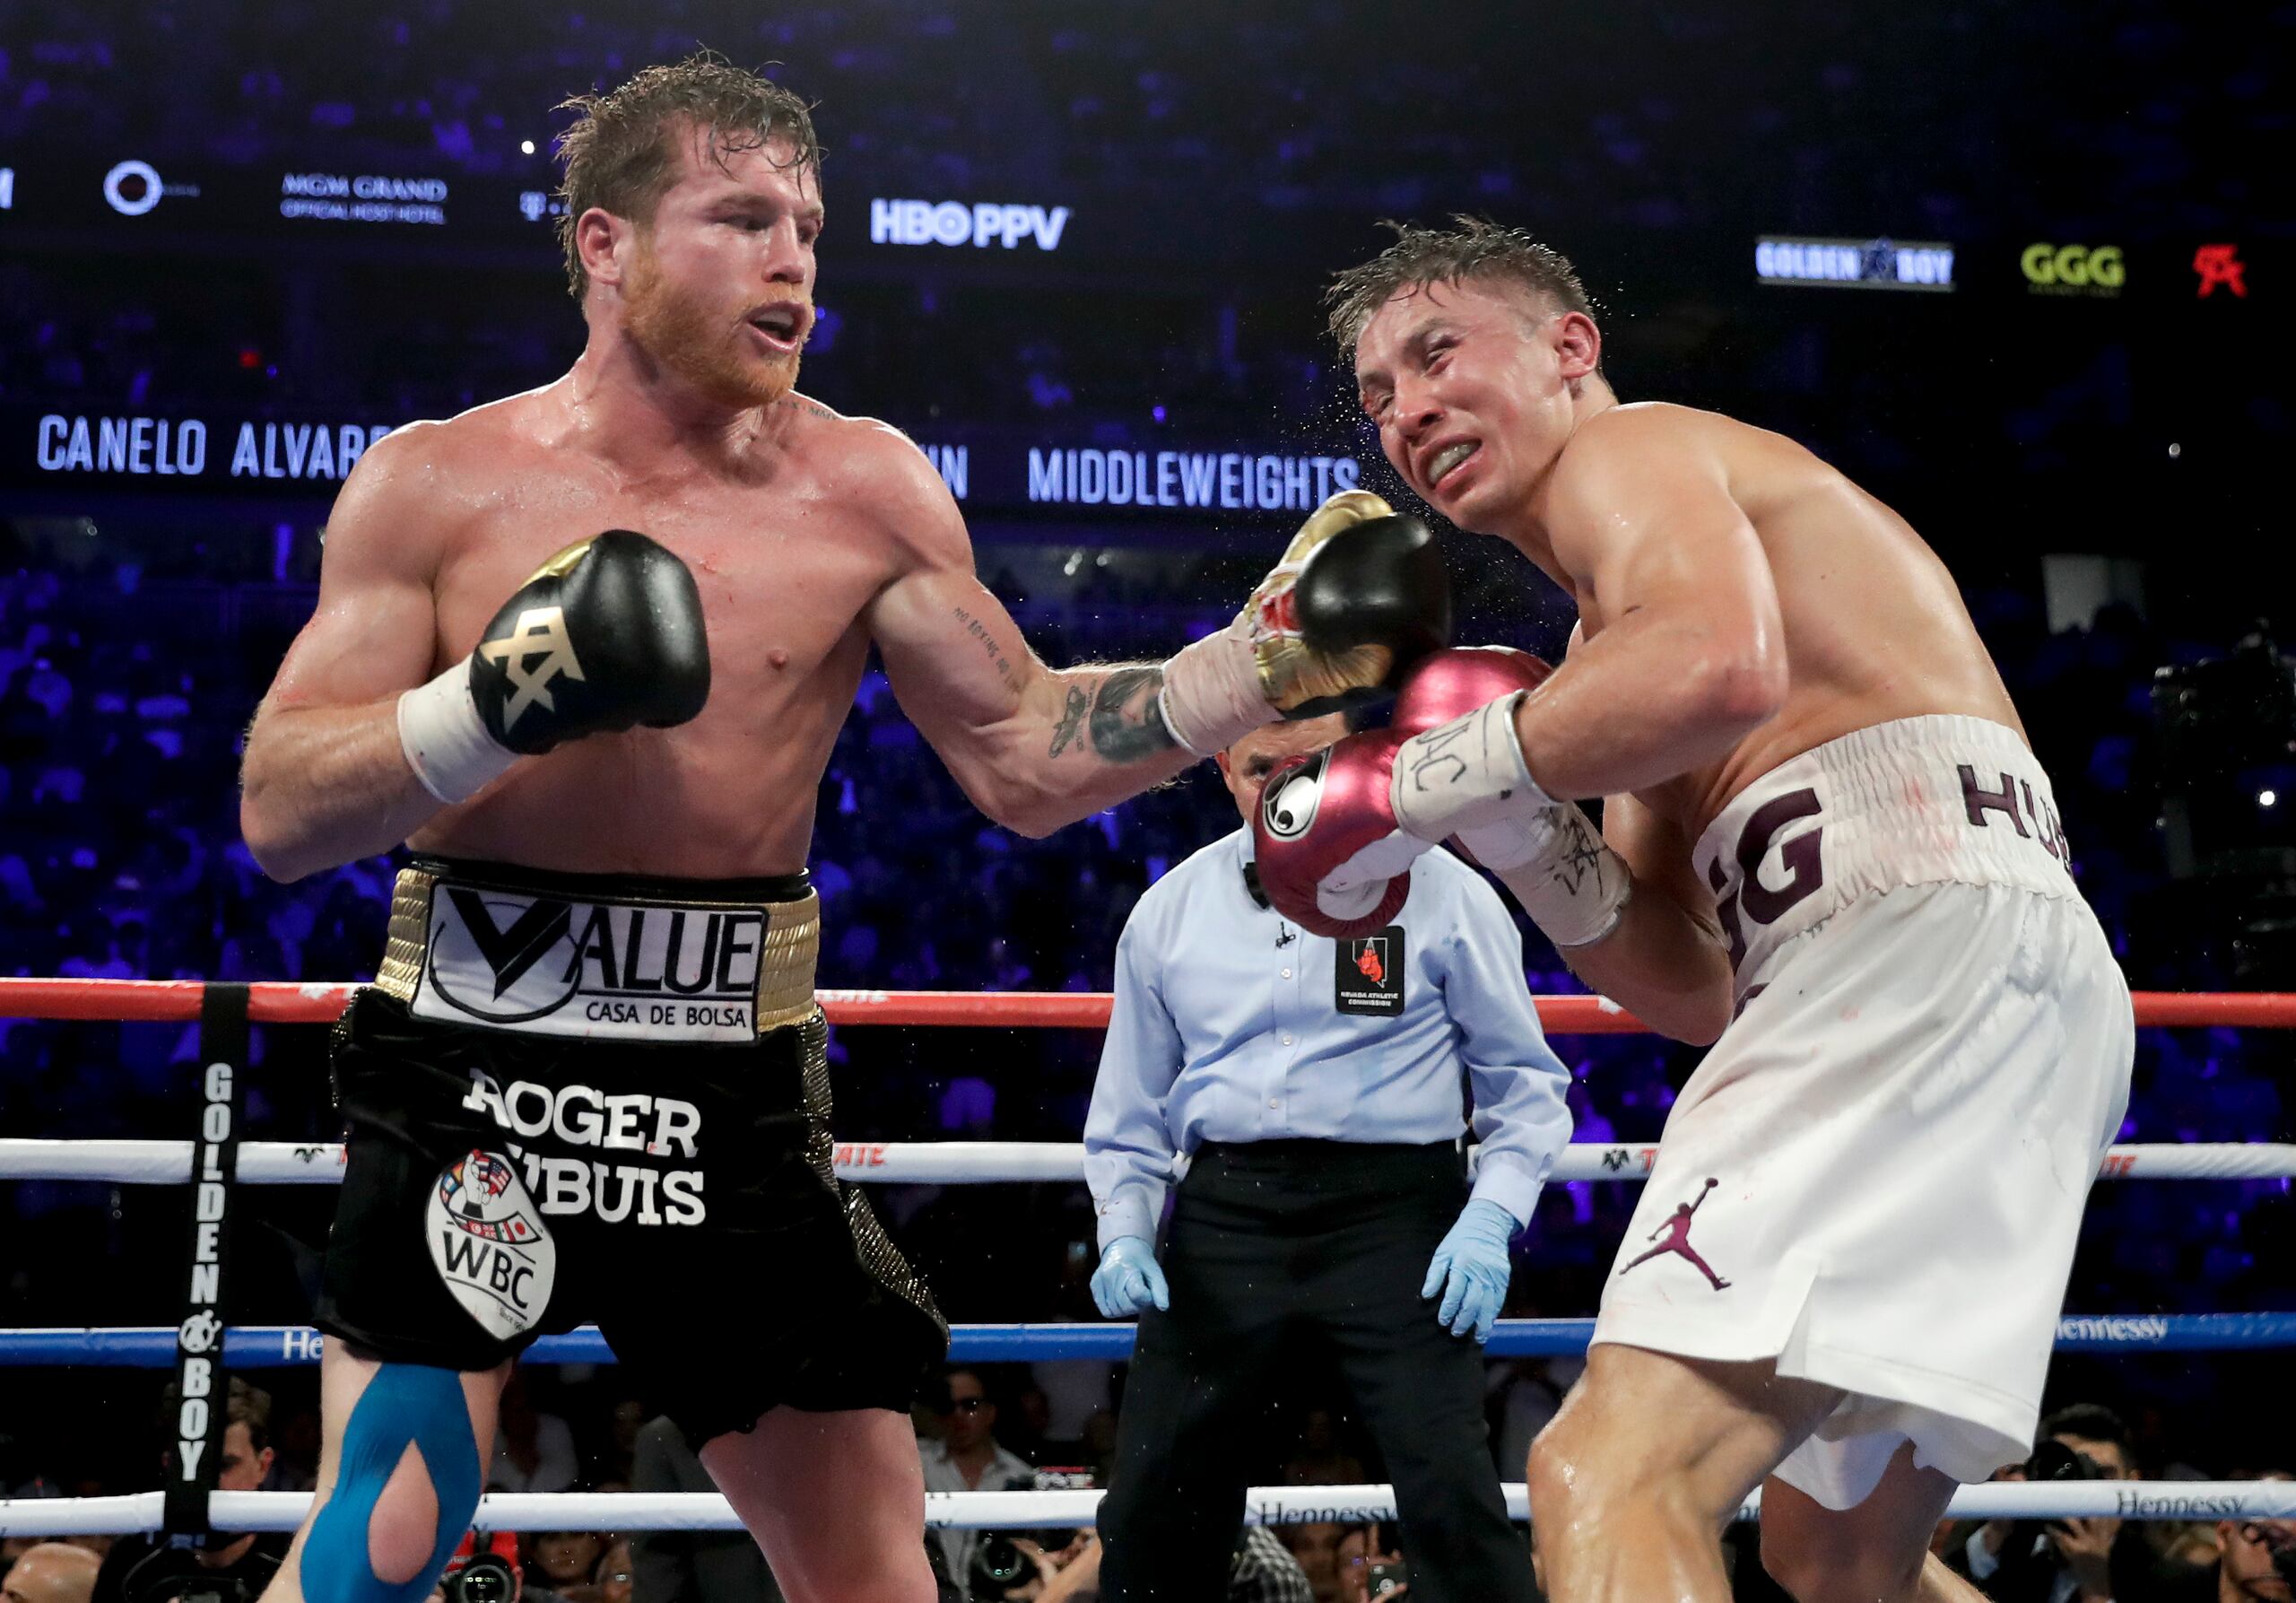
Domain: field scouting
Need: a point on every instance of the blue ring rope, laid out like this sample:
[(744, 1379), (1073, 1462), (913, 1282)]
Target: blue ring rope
[(268, 1347)]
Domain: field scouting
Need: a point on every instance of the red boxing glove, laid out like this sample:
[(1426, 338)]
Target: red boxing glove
[(1451, 684), (1331, 859), (1549, 853)]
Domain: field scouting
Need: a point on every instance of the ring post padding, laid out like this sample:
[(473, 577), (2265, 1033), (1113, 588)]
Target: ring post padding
[(203, 1388)]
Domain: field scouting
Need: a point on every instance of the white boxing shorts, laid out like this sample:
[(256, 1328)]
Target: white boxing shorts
[(1877, 1175)]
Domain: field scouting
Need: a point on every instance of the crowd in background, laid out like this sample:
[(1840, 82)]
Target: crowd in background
[(1283, 115)]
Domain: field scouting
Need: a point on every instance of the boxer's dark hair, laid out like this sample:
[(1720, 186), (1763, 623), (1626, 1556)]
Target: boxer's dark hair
[(621, 152), (1472, 248), (2092, 1422)]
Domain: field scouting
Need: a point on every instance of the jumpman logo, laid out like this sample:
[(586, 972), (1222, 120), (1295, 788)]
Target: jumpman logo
[(540, 632), (1676, 1230)]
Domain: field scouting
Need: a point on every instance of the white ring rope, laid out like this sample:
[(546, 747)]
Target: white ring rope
[(1018, 1511), (963, 1162)]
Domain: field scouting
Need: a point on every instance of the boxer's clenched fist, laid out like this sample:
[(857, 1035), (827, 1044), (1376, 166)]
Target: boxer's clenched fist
[(1359, 596), (1336, 833), (606, 635), (1460, 771)]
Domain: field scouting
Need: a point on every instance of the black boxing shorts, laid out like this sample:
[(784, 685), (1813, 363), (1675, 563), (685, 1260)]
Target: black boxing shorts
[(576, 1098)]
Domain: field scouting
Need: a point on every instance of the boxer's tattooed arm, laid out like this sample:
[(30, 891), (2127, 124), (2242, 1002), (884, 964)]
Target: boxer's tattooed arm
[(987, 644), (1117, 715), (1072, 718), (1126, 724)]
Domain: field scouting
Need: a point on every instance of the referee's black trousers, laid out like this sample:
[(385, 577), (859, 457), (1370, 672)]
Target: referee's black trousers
[(1279, 1251)]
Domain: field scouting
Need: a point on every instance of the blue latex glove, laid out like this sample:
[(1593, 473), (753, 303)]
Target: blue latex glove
[(1471, 1269), (1128, 1279)]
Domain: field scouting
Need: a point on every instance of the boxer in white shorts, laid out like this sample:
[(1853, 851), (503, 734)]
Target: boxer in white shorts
[(1827, 849), (1877, 1176)]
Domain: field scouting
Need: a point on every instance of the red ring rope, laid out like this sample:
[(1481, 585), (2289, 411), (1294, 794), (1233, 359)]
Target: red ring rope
[(274, 1003)]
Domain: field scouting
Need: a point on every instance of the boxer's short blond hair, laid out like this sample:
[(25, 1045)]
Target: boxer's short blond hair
[(1472, 248), (621, 154)]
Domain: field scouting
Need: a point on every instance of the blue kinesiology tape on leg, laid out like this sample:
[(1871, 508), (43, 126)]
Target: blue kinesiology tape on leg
[(404, 1403)]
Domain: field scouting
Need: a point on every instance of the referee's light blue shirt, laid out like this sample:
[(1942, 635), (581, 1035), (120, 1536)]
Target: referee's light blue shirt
[(1227, 1028)]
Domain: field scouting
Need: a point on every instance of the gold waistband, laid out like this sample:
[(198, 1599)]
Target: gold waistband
[(786, 962)]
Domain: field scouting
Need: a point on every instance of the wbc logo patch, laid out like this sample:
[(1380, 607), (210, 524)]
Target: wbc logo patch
[(1367, 973), (489, 1243)]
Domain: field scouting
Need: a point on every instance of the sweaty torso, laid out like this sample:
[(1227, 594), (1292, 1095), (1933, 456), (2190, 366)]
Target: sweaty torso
[(1874, 626), (786, 558)]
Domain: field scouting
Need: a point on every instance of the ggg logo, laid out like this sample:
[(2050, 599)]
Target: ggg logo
[(2072, 269)]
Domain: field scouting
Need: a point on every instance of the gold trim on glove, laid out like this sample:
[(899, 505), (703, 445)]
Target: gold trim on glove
[(1290, 672)]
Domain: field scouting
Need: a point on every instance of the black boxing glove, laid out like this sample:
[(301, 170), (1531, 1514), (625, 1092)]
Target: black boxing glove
[(606, 635), (1376, 591), (1360, 595)]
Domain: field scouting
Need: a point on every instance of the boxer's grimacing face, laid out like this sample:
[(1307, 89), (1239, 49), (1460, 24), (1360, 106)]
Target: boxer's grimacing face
[(1471, 385), (720, 285)]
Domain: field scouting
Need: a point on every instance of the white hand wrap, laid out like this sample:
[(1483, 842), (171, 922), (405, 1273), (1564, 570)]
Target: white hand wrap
[(1213, 694), (1465, 774), (1391, 854), (446, 742), (1566, 877), (1467, 777)]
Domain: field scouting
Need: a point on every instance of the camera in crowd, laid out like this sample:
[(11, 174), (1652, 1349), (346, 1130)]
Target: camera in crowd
[(2053, 1461), (998, 1562), (1373, 1570), (484, 1569), (999, 1565)]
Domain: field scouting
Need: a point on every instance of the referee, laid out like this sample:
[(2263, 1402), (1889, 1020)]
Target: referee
[(1320, 1088)]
